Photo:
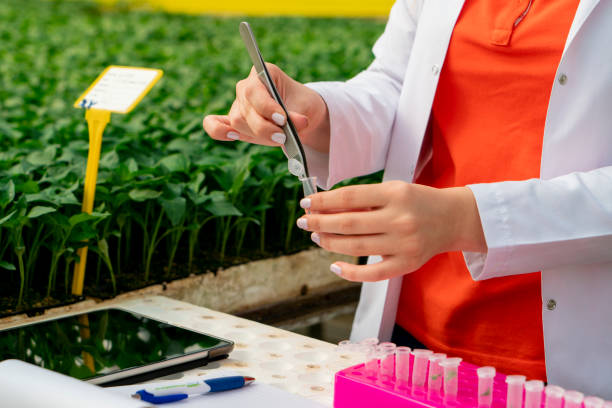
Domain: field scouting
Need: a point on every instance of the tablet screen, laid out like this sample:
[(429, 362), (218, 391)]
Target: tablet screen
[(102, 342)]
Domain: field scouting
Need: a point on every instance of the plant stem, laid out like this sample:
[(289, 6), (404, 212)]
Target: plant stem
[(151, 246)]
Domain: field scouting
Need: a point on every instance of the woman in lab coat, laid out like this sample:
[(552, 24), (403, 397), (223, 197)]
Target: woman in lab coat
[(393, 115)]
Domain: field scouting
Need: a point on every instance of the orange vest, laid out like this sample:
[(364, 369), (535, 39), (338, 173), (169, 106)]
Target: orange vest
[(487, 124)]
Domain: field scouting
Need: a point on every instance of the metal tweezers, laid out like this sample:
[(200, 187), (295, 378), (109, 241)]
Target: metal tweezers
[(293, 147)]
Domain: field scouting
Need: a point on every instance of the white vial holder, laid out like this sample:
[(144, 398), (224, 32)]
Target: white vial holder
[(419, 367), (486, 376), (435, 374), (514, 396), (402, 365), (573, 399), (533, 393), (593, 402), (451, 378), (553, 396)]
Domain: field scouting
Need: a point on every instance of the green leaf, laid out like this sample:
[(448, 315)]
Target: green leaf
[(220, 206), (176, 163), (174, 209), (8, 217), (39, 210), (109, 160), (144, 195), (7, 265), (7, 193), (42, 158)]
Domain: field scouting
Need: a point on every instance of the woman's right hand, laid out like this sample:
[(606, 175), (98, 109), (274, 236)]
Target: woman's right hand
[(255, 116)]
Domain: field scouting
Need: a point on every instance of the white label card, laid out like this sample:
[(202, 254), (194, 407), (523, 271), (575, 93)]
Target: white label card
[(119, 89)]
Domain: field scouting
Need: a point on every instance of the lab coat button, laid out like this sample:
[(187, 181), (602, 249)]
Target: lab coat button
[(562, 79), (551, 304), (435, 69)]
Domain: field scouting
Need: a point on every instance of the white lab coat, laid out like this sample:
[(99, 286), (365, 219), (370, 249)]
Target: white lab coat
[(560, 223)]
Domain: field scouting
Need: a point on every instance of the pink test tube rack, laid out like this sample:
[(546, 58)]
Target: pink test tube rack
[(354, 388)]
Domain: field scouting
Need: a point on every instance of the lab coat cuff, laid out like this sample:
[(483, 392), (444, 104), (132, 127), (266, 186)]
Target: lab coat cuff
[(328, 167), (494, 216)]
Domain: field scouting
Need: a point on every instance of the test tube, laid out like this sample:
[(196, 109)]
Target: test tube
[(514, 397), (533, 393), (593, 402), (371, 363), (434, 377), (309, 185), (554, 396), (387, 362), (573, 399), (485, 386), (402, 365), (451, 377), (419, 366)]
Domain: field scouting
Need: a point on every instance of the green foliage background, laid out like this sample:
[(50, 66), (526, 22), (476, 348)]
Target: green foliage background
[(170, 201)]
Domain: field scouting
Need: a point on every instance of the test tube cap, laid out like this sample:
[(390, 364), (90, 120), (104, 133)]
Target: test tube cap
[(437, 356), (403, 350), (515, 379), (554, 391), (451, 362), (485, 372), (574, 396), (593, 402), (534, 386), (370, 341), (421, 352), (344, 343)]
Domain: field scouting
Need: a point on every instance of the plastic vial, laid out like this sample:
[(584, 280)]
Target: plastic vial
[(533, 393), (554, 396), (434, 377), (485, 386), (607, 404), (451, 378), (573, 399), (387, 363), (309, 184), (402, 364), (514, 398), (371, 363), (593, 402), (419, 367)]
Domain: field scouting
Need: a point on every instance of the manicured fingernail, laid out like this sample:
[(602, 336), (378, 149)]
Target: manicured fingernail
[(233, 136), (315, 238), (305, 203), (278, 119), (336, 269), (279, 138), (302, 223)]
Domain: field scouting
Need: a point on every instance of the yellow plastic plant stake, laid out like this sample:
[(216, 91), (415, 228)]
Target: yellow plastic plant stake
[(117, 89), (96, 122)]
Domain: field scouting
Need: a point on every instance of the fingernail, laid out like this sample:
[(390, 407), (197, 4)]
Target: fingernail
[(315, 238), (278, 119), (279, 138), (302, 223), (233, 136), (305, 203), (336, 269)]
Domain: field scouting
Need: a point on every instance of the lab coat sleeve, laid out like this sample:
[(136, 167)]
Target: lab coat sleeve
[(537, 224), (362, 109)]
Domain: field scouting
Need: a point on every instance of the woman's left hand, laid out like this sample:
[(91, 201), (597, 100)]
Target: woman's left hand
[(405, 223)]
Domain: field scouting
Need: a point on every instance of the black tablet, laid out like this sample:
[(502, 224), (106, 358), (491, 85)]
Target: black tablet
[(111, 346)]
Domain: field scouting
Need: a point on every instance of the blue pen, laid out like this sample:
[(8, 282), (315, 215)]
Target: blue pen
[(162, 394)]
